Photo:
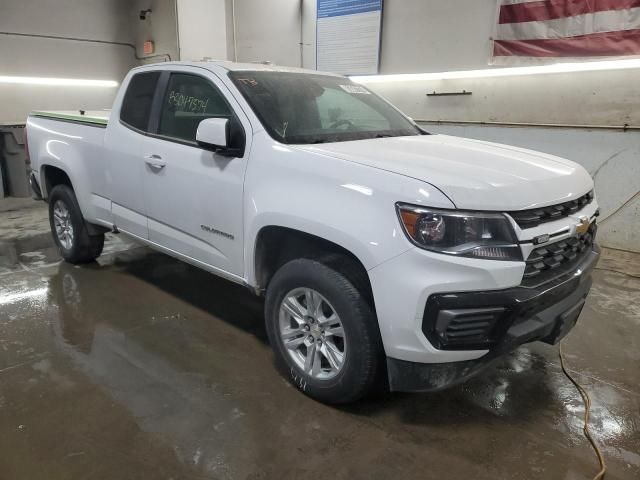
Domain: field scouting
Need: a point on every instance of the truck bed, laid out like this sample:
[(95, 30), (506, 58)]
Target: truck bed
[(74, 143), (89, 117)]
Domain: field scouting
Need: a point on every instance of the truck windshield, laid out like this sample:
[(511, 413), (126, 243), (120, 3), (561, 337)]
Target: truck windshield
[(302, 108)]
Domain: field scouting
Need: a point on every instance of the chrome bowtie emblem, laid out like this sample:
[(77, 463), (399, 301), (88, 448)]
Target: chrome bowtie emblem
[(583, 226)]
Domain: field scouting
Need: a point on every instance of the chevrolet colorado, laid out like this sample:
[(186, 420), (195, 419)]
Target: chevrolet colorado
[(383, 252)]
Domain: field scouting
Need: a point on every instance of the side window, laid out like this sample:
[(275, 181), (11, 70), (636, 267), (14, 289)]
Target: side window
[(136, 104), (189, 99)]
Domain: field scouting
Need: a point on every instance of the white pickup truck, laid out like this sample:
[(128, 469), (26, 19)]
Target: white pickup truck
[(384, 252)]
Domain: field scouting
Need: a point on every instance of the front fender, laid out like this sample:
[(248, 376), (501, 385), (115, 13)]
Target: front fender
[(349, 204), (344, 239)]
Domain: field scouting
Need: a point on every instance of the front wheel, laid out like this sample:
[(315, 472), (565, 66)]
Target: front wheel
[(69, 228), (323, 332)]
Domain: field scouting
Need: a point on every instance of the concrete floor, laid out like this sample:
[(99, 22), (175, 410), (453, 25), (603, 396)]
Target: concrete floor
[(24, 227), (140, 366)]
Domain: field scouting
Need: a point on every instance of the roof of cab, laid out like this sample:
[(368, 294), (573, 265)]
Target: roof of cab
[(236, 66)]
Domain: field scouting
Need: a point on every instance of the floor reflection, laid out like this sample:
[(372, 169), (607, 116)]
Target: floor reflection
[(142, 342), (202, 420)]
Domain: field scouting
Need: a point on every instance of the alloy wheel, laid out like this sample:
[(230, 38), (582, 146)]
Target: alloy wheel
[(62, 224), (312, 333)]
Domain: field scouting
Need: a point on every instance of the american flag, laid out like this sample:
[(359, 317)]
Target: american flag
[(557, 29)]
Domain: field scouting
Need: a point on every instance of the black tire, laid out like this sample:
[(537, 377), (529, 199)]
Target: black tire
[(84, 247), (364, 355)]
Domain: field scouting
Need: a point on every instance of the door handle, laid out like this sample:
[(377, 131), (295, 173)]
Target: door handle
[(155, 161)]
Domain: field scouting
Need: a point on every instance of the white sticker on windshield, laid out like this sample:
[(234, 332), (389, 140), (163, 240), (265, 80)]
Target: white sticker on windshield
[(355, 89)]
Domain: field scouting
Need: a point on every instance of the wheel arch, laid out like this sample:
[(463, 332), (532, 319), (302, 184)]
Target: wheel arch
[(275, 245), (51, 176)]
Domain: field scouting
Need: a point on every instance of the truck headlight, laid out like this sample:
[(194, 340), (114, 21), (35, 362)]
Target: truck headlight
[(469, 234)]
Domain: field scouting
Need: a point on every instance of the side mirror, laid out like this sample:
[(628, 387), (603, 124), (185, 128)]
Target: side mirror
[(213, 133)]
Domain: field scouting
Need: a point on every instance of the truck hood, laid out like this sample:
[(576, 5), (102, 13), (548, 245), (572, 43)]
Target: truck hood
[(474, 174)]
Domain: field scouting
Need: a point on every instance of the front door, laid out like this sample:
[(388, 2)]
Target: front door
[(194, 196)]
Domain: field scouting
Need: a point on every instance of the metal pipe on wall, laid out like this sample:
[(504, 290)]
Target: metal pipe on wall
[(175, 9), (301, 34), (233, 18), (89, 40)]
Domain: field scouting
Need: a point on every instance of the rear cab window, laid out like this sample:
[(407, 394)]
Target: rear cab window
[(138, 99)]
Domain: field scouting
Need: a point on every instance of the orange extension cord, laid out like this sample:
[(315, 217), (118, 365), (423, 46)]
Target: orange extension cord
[(587, 408)]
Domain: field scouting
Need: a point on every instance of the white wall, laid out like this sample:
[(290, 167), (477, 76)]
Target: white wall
[(268, 31), (202, 29), (581, 98), (160, 27), (264, 30), (22, 56), (434, 36), (309, 33)]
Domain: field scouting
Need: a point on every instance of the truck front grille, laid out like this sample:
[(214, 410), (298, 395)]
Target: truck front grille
[(536, 216), (556, 258)]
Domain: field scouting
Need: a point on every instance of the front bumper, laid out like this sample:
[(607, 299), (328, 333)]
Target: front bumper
[(497, 321)]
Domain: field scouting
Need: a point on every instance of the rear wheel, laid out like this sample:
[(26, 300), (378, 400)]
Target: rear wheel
[(323, 332), (69, 228)]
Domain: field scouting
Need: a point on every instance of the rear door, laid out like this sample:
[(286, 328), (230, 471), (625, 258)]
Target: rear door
[(193, 195), (125, 140)]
